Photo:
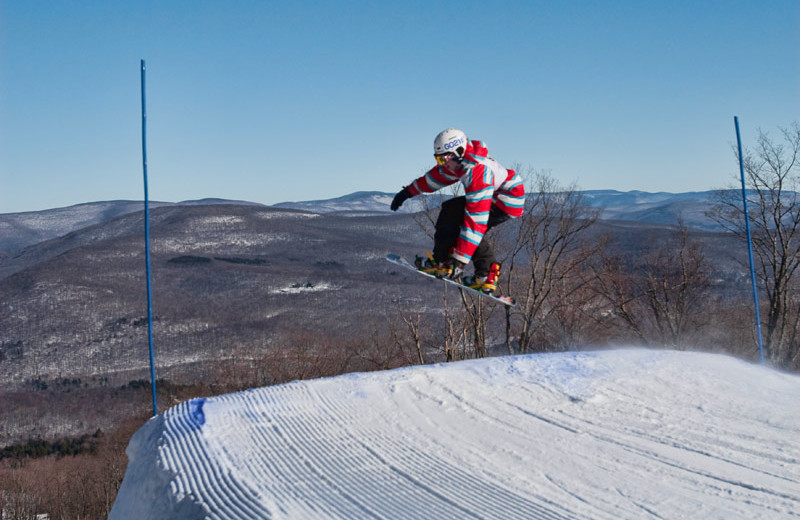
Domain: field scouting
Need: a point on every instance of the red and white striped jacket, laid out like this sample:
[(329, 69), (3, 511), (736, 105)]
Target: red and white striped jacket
[(486, 183)]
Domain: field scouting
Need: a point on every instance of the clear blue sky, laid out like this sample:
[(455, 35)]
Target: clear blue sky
[(277, 101)]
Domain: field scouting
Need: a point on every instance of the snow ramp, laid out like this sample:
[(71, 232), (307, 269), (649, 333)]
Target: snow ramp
[(622, 434)]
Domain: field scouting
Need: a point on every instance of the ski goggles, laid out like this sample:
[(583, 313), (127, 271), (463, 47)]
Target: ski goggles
[(442, 159)]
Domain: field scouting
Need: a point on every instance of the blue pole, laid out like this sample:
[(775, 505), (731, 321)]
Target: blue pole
[(147, 248), (749, 242)]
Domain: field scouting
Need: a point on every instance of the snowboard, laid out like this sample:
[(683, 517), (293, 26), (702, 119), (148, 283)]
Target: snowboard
[(402, 262)]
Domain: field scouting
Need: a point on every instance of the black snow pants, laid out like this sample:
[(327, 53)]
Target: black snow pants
[(448, 228)]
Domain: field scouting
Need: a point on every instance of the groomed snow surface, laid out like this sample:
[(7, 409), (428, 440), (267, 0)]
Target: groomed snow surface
[(622, 434)]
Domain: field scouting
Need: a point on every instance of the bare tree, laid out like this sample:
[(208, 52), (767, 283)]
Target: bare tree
[(677, 283), (413, 323), (547, 254), (476, 315), (454, 330), (772, 175), (659, 297), (577, 318), (614, 283)]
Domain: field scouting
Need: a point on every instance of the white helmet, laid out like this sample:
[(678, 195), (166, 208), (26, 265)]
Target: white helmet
[(451, 140)]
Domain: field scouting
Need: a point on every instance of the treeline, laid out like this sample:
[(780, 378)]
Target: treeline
[(66, 486), (38, 448), (78, 477)]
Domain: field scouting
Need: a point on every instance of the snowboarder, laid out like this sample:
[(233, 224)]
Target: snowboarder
[(494, 194)]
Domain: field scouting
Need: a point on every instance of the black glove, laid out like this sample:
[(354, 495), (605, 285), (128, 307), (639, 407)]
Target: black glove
[(400, 198)]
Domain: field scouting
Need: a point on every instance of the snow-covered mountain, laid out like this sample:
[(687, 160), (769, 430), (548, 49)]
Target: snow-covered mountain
[(655, 208), (623, 434), (369, 201), (19, 230), (358, 202), (638, 206)]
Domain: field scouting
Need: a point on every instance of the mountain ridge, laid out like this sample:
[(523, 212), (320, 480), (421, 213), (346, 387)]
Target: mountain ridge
[(19, 230)]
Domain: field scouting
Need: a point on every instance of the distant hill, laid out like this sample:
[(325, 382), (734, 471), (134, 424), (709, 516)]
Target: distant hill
[(19, 230), (368, 201), (226, 264), (638, 206), (655, 208), (358, 202)]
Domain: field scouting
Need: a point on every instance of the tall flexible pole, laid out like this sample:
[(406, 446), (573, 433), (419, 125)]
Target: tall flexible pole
[(147, 248), (749, 242)]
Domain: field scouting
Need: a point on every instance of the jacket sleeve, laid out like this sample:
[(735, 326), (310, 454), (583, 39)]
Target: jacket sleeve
[(435, 179), (479, 188), (510, 197)]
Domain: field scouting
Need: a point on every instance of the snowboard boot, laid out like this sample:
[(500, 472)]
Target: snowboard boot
[(437, 269), (486, 284)]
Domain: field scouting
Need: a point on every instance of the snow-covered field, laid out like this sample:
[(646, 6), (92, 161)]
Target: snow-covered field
[(622, 434)]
